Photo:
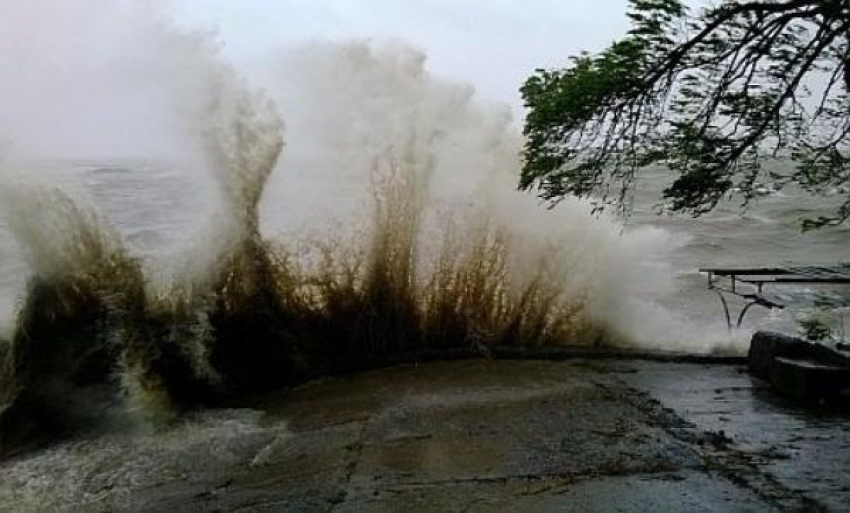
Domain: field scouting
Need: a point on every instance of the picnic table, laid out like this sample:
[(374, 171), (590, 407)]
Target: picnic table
[(750, 283)]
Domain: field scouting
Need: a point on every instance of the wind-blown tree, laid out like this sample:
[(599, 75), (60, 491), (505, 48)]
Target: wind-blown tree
[(716, 96)]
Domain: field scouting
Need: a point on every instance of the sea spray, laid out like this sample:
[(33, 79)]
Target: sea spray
[(347, 103), (75, 318), (432, 252), (251, 345), (93, 334)]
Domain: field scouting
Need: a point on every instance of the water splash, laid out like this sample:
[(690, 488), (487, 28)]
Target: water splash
[(84, 293), (432, 249)]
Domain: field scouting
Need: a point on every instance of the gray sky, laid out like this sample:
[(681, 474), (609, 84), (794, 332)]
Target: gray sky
[(491, 44)]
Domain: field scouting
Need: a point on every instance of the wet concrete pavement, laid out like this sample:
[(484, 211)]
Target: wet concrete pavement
[(805, 452), (579, 435)]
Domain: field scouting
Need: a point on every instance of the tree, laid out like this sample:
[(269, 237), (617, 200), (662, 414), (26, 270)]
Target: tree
[(715, 96)]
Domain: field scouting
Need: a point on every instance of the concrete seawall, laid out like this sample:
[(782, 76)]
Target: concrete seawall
[(471, 435)]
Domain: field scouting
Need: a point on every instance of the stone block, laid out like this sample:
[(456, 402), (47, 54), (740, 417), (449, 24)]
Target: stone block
[(766, 346)]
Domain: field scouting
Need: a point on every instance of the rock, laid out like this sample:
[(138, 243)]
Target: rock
[(806, 372), (810, 382), (766, 346)]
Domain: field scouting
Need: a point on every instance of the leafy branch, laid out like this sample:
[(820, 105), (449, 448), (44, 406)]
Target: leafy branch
[(710, 96)]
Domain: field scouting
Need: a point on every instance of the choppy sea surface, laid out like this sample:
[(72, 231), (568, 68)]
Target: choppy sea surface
[(767, 232)]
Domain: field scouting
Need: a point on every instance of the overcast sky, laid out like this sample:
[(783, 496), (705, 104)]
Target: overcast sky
[(491, 44)]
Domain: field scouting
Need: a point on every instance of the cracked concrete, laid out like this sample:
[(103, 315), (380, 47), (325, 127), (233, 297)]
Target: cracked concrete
[(475, 435)]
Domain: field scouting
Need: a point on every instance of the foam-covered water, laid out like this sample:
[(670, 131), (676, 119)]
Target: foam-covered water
[(101, 472)]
